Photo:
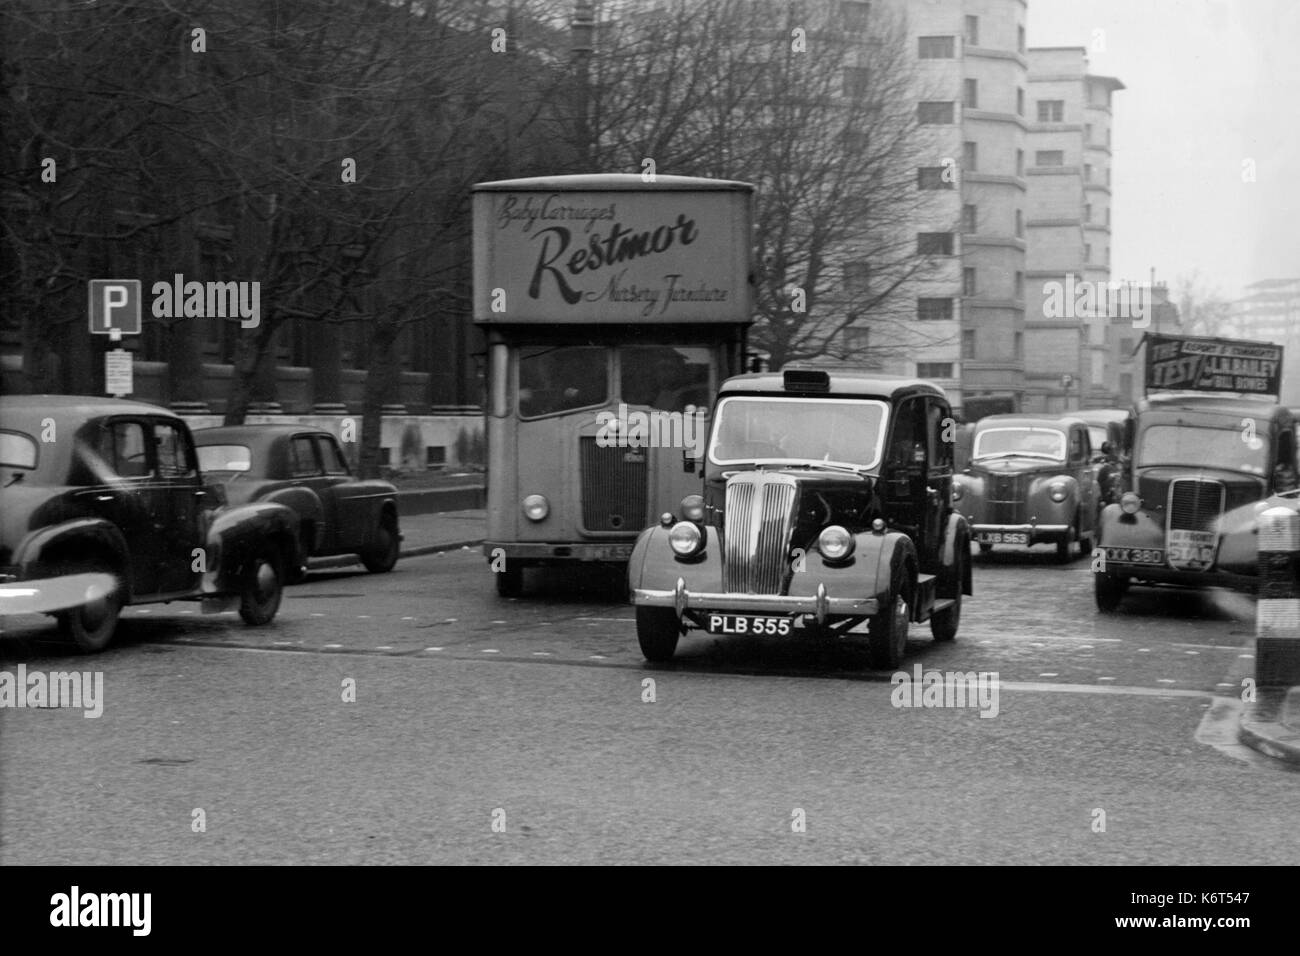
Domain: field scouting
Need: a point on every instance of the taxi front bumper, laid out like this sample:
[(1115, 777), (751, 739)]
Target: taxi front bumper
[(820, 606)]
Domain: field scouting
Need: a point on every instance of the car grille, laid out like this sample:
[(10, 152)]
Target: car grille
[(613, 487), (759, 517), (1195, 504), (1006, 499)]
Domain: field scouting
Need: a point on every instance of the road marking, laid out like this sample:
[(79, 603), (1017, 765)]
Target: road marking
[(542, 654), (408, 619), (317, 614), (1209, 647), (1246, 657), (384, 647), (596, 657), (332, 647), (1049, 675), (1192, 653), (583, 617), (433, 648), (490, 650), (1165, 680), (1218, 729), (1105, 678), (1144, 650), (363, 617)]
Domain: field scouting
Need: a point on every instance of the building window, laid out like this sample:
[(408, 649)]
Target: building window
[(1049, 157), (973, 31), (933, 309), (1105, 256), (968, 281), (1020, 39), (857, 339), (1107, 175), (934, 243), (933, 177), (968, 343), (1126, 384), (1107, 217), (1087, 252), (971, 96), (934, 113), (934, 370), (935, 48), (1020, 162), (1020, 224), (1087, 134), (1018, 344), (1020, 101), (857, 80), (969, 156), (856, 275), (1018, 290), (855, 14), (1051, 111), (1125, 347), (1087, 212), (1087, 172), (968, 218)]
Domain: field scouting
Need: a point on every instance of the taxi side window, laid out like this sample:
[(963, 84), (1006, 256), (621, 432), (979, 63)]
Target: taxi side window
[(122, 446), (175, 459), (302, 457), (1078, 445), (941, 431), (907, 443)]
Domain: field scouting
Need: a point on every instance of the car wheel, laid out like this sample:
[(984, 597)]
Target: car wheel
[(1064, 545), (510, 582), (657, 632), (887, 634), (1086, 544), (91, 626), (943, 625), (1109, 591), (263, 588), (380, 558), (985, 547)]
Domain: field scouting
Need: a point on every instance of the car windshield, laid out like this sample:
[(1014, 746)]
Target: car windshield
[(798, 431), (1098, 434), (1026, 442), (225, 458), (1192, 446), (17, 450)]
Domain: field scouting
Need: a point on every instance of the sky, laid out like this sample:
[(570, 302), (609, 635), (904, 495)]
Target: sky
[(1210, 85)]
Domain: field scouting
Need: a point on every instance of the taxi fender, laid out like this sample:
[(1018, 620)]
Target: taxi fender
[(1143, 531), (237, 533), (883, 555), (653, 565), (957, 534), (71, 539)]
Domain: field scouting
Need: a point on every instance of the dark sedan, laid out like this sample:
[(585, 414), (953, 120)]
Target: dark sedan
[(304, 468)]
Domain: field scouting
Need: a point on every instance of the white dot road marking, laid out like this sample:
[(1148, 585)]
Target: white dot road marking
[(542, 654), (1222, 684), (1144, 650), (1048, 675), (332, 647), (1105, 678), (986, 642), (317, 614), (1246, 657), (450, 620), (1192, 653), (1037, 645), (1085, 647), (384, 647), (596, 657), (498, 622), (1165, 680), (490, 650), (363, 617), (408, 619), (433, 648)]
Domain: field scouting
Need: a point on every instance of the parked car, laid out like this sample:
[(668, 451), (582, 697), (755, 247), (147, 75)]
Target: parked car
[(1108, 429), (304, 468), (1203, 467), (91, 485), (1030, 480), (825, 509)]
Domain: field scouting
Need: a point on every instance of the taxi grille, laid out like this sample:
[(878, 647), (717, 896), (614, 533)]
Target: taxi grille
[(1195, 504), (1006, 499), (759, 518), (613, 487)]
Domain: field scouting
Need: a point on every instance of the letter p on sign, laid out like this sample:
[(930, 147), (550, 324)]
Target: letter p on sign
[(115, 307)]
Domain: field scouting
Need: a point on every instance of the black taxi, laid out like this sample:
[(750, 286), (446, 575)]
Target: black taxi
[(825, 509)]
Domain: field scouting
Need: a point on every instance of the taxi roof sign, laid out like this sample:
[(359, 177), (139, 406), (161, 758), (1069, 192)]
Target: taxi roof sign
[(1196, 364)]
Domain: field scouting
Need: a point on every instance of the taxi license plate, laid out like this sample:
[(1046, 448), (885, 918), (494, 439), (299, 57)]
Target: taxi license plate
[(610, 552), (1135, 555), (1002, 537), (746, 624)]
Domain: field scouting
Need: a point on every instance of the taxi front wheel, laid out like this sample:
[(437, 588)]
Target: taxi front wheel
[(1109, 591), (657, 631), (887, 632)]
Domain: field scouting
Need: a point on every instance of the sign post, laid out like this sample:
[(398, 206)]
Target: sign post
[(114, 310)]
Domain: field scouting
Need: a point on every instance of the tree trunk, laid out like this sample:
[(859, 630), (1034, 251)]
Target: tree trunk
[(381, 374)]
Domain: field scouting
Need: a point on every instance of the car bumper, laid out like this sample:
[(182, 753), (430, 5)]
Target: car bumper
[(542, 552), (820, 606), (1161, 574), (1036, 529)]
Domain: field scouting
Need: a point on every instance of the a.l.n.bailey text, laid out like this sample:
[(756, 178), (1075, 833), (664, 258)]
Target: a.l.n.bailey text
[(83, 689), (75, 908), (211, 300)]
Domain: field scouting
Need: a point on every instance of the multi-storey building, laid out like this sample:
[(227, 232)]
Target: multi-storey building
[(970, 92), (1270, 312), (1069, 229)]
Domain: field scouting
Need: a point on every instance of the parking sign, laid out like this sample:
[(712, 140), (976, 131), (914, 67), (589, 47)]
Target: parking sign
[(115, 307)]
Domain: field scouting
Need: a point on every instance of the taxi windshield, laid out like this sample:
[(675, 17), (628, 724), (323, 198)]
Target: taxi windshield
[(1192, 446), (1020, 442), (798, 431)]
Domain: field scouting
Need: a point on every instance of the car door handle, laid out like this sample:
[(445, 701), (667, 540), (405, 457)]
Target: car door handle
[(104, 497)]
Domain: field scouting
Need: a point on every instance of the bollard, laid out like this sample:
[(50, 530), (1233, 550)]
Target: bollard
[(1277, 614)]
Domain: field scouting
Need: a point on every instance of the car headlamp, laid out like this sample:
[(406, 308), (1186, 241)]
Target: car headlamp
[(692, 508), (685, 538), (1058, 490), (1129, 503), (536, 507), (835, 543)]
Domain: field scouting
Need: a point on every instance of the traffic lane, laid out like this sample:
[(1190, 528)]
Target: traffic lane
[(585, 770), (1036, 623)]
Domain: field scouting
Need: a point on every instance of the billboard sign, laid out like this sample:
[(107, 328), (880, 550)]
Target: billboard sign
[(1187, 363)]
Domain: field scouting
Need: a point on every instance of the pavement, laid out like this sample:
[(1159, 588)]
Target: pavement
[(1271, 723), (427, 534)]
